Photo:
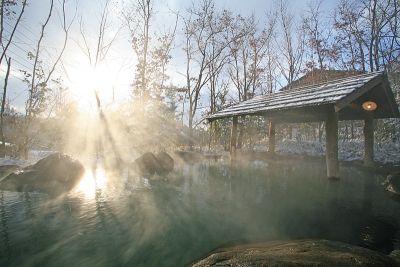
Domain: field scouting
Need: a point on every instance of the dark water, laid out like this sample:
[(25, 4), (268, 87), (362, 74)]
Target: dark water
[(131, 221)]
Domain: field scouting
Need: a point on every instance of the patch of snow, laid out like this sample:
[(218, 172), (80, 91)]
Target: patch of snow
[(15, 161), (384, 152), (34, 156)]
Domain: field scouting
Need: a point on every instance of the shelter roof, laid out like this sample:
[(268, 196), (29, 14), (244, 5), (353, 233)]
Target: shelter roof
[(320, 76), (311, 103)]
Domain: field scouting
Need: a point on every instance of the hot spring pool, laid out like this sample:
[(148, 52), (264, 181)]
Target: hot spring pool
[(172, 221)]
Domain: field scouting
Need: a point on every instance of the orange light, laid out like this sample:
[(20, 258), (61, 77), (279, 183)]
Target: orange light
[(369, 105)]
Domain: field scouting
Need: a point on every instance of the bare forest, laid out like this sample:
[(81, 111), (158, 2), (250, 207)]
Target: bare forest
[(189, 62)]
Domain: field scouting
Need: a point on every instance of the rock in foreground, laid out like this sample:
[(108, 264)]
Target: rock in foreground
[(298, 253), (54, 174)]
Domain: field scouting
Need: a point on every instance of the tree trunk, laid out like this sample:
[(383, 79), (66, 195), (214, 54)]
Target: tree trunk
[(320, 131), (290, 132), (240, 135), (233, 137), (271, 138), (313, 132), (190, 132), (211, 135), (3, 104)]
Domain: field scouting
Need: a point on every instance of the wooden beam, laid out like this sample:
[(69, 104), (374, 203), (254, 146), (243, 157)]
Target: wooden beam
[(369, 139), (233, 137), (271, 137), (332, 159), (357, 93)]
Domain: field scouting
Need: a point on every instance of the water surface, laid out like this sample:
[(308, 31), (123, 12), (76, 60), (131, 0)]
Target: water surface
[(172, 220)]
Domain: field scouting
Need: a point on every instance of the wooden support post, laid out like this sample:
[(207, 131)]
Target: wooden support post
[(369, 139), (233, 137), (332, 159), (271, 137)]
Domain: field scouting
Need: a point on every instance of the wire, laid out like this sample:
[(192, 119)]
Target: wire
[(22, 64), (13, 75)]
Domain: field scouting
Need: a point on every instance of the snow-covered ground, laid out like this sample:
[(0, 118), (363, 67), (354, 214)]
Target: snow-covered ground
[(34, 156), (384, 153)]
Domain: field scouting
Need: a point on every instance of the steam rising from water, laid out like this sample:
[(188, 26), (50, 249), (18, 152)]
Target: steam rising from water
[(125, 131), (175, 219)]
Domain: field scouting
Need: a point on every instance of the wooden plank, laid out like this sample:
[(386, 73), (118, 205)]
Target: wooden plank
[(332, 158), (359, 92), (369, 139)]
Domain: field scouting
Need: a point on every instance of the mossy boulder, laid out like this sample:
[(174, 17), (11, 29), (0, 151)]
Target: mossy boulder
[(298, 253)]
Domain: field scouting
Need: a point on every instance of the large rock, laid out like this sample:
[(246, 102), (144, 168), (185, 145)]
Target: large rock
[(6, 170), (299, 253), (148, 164), (55, 173), (392, 183), (166, 161)]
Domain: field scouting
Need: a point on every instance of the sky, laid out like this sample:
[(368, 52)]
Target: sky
[(117, 70)]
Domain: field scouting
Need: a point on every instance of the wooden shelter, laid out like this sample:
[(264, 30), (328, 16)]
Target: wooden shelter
[(362, 97)]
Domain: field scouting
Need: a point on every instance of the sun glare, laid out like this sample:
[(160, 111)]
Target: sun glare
[(85, 80), (91, 182)]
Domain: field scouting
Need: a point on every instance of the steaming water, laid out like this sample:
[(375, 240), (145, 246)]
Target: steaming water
[(131, 221)]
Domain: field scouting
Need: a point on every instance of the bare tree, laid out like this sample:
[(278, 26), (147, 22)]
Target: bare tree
[(251, 58), (3, 104), (250, 61), (39, 77), (151, 49), (205, 46), (138, 15), (291, 43), (318, 30), (96, 48), (367, 31), (153, 104), (6, 13)]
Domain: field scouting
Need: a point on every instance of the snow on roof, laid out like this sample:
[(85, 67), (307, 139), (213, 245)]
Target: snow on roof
[(311, 95)]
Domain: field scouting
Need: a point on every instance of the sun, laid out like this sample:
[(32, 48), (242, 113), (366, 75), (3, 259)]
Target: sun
[(86, 80)]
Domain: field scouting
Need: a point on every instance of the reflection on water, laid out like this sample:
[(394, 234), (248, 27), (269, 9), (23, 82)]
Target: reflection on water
[(92, 181), (116, 220)]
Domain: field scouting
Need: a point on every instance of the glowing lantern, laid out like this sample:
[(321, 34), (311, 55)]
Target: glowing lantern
[(369, 106)]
